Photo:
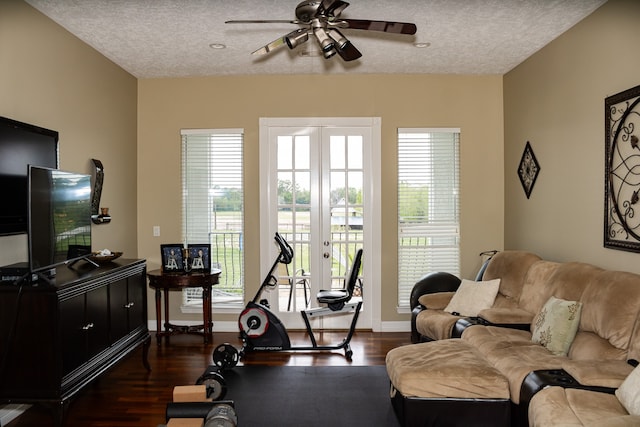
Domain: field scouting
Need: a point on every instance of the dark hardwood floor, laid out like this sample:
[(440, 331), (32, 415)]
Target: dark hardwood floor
[(128, 395)]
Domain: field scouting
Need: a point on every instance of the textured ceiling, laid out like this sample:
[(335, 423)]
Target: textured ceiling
[(172, 38)]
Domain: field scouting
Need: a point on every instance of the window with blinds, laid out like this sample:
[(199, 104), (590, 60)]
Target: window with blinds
[(213, 208), (428, 214)]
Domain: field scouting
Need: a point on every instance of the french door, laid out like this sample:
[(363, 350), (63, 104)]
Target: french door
[(317, 179)]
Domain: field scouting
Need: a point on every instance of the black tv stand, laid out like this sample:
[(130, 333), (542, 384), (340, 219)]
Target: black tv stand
[(59, 336)]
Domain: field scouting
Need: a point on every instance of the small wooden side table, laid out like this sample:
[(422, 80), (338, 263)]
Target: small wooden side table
[(165, 282)]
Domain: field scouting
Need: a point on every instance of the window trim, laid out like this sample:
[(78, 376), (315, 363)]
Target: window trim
[(452, 228), (196, 306)]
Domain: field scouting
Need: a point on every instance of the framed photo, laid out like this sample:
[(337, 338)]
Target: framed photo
[(199, 257), (622, 162), (172, 257)]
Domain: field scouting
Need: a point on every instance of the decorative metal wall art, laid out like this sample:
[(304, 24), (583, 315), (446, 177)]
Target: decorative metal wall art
[(622, 171), (528, 169)]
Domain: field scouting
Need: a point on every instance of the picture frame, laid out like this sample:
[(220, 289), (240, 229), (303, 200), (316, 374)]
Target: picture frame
[(622, 161), (200, 257), (528, 169), (171, 255)]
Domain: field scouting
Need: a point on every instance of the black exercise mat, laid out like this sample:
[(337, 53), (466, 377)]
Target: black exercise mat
[(308, 396)]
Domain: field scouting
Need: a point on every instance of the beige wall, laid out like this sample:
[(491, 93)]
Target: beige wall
[(555, 100), (51, 79), (473, 103)]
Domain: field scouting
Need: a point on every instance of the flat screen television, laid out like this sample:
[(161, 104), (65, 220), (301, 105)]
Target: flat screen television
[(59, 217), (21, 144)]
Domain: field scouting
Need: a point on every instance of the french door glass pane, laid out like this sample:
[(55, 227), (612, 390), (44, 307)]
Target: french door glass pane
[(346, 204), (294, 219)]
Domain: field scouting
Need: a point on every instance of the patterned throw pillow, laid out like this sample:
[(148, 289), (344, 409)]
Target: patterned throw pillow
[(473, 297), (629, 392), (556, 325)]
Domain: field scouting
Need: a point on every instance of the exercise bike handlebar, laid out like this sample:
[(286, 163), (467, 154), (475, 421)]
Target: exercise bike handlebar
[(285, 257), (286, 251)]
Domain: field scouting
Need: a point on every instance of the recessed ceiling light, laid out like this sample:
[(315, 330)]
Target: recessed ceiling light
[(217, 46), (421, 45)]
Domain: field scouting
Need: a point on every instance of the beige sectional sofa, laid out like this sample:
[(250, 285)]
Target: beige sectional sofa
[(519, 337)]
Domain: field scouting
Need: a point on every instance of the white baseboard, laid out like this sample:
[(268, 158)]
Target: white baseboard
[(400, 326), (9, 413)]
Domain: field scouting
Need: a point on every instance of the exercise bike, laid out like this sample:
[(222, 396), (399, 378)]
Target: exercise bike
[(261, 330)]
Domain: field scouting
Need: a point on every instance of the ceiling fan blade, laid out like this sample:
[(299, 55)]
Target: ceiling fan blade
[(270, 47), (348, 52), (385, 26), (263, 21)]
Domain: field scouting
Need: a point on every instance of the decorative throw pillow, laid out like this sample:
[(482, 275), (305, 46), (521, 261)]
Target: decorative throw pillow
[(473, 297), (556, 325), (629, 392)]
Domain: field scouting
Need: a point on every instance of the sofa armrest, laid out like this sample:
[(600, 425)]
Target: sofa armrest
[(537, 380), (436, 301), (415, 335), (429, 284), (432, 283)]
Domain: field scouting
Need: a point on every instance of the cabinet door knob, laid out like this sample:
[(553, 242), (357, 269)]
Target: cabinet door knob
[(129, 305), (87, 326)]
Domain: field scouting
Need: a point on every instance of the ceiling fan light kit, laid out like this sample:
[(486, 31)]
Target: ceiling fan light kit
[(321, 19), (296, 38)]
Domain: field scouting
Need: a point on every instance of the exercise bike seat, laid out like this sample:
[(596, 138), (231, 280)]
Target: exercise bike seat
[(337, 298)]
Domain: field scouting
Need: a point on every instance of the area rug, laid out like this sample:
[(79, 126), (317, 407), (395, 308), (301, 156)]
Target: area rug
[(310, 396)]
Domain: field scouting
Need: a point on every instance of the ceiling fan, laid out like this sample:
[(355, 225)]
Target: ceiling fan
[(321, 19)]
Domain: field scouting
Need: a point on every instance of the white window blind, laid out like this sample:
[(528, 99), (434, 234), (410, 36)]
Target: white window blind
[(428, 217), (213, 208)]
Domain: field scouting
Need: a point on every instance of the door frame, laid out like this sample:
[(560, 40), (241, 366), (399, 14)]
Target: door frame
[(373, 237)]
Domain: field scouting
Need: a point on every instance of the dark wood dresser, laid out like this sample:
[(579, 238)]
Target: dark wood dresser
[(56, 338)]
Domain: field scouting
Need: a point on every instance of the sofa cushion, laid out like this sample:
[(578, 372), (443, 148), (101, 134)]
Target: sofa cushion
[(629, 392), (556, 325), (618, 421), (537, 288), (511, 352), (557, 406), (510, 267), (591, 346), (611, 303), (561, 280), (446, 368), (472, 297)]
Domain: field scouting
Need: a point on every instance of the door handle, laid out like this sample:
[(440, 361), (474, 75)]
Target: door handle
[(325, 255)]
